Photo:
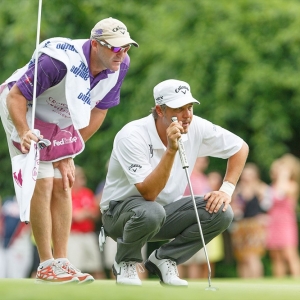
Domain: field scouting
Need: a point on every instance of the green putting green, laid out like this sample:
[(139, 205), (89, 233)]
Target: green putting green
[(227, 289)]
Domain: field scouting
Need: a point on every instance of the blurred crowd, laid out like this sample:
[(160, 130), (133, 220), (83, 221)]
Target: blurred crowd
[(262, 237)]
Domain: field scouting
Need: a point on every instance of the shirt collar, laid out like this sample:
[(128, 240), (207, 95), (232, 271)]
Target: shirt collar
[(155, 139)]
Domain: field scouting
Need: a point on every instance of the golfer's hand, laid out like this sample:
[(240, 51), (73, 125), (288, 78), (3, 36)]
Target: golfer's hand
[(26, 139), (67, 169), (215, 200), (173, 134)]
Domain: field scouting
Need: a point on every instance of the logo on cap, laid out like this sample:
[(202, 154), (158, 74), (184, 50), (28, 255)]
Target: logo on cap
[(159, 100), (99, 31), (182, 89), (121, 29)]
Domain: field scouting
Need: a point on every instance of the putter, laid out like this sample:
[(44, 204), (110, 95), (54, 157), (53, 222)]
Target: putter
[(185, 166)]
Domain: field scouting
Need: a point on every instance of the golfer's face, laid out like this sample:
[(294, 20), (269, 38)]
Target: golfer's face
[(183, 114), (109, 59)]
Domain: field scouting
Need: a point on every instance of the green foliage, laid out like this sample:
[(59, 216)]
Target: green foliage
[(240, 58)]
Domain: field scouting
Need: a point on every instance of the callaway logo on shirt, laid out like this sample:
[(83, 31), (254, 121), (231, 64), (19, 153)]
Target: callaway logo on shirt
[(134, 167)]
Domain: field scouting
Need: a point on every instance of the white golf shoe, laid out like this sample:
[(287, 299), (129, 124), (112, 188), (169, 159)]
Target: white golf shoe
[(126, 273), (166, 269)]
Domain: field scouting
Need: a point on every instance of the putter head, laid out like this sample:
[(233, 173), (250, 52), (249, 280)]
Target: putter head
[(210, 288), (43, 143)]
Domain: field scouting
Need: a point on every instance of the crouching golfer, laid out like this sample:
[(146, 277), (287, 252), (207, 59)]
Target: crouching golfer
[(143, 196)]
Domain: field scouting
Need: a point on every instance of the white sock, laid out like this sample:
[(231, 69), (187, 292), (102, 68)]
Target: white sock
[(46, 263), (61, 260)]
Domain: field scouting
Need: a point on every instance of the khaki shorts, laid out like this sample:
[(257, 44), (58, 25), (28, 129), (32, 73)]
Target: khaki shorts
[(46, 169), (84, 251)]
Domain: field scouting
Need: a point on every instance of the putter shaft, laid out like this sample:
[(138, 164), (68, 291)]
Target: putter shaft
[(185, 166), (200, 228)]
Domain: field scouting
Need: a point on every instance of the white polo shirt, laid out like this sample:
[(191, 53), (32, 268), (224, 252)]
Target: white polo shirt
[(137, 150)]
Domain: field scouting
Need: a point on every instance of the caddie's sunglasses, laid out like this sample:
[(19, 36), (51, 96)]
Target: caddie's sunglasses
[(114, 49)]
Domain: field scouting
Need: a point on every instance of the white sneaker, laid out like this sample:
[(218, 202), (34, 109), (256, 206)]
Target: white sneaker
[(54, 274), (82, 277), (126, 273), (166, 269)]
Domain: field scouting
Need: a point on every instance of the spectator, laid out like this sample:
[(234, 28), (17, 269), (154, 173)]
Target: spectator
[(83, 248), (16, 248), (215, 248), (248, 232), (282, 239), (100, 186)]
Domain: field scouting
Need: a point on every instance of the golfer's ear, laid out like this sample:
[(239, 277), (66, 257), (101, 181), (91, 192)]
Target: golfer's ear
[(94, 43), (159, 110)]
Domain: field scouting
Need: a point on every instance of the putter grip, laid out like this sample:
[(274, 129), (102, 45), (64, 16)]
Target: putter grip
[(181, 150)]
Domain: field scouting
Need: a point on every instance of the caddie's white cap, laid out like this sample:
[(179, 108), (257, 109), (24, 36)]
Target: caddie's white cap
[(174, 93), (113, 32)]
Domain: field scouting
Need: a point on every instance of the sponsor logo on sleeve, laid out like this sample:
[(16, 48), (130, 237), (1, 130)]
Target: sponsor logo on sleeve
[(28, 80), (134, 167)]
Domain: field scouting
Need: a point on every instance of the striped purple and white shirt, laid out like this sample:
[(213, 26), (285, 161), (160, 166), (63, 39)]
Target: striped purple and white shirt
[(51, 71)]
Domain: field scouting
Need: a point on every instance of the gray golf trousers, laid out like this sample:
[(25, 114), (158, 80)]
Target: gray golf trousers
[(134, 222)]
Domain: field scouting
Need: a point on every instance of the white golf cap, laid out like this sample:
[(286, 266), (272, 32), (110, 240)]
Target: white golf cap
[(113, 32), (174, 93)]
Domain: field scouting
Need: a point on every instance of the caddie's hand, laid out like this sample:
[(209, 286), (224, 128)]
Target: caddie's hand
[(173, 134), (215, 200), (26, 139), (67, 169)]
